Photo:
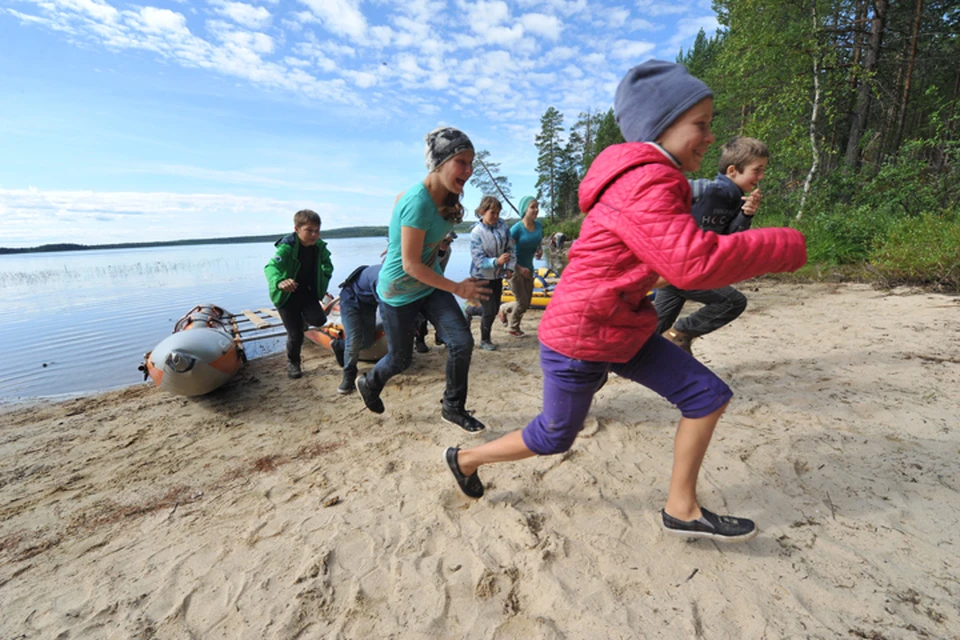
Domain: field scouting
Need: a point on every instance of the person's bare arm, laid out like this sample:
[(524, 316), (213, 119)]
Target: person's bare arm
[(411, 250)]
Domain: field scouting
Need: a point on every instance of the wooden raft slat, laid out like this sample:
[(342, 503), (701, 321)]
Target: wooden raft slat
[(257, 321), (271, 312)]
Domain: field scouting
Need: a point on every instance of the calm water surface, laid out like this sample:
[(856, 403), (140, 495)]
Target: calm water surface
[(80, 321)]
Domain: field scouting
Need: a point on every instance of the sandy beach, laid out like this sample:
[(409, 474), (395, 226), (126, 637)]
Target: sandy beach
[(277, 509)]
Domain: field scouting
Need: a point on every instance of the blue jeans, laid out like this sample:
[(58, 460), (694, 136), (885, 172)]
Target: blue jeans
[(400, 323), (359, 321)]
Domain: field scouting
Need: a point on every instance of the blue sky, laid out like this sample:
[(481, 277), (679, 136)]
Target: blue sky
[(132, 122)]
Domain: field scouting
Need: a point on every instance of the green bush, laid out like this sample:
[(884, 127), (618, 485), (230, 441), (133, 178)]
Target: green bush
[(569, 227), (922, 250), (844, 235)]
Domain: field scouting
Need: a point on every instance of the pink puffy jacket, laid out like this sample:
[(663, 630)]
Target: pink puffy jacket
[(639, 227)]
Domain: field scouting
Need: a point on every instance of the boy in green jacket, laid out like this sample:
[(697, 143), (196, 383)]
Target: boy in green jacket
[(298, 277)]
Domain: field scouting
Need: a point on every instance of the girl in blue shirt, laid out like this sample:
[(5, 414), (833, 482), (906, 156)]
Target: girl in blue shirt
[(411, 280), (527, 236)]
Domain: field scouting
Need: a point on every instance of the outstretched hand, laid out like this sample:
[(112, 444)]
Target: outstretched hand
[(473, 289)]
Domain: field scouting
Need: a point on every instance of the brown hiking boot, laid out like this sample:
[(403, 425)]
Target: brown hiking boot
[(680, 339)]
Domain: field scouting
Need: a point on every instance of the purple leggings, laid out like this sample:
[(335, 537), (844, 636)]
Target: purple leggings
[(569, 386)]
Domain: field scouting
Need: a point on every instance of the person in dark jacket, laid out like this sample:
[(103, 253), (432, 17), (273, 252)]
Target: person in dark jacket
[(720, 206), (298, 276), (358, 314)]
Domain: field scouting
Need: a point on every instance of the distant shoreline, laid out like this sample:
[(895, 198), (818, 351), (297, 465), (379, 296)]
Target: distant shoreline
[(346, 232), (327, 234)]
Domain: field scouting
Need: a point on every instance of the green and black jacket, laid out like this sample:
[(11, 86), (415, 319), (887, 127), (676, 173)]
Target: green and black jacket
[(287, 265)]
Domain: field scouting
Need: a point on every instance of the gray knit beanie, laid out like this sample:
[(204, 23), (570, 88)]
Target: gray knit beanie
[(443, 143), (652, 96)]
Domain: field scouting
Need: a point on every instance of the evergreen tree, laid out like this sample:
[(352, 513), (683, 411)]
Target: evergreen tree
[(702, 55), (586, 129), (483, 181), (549, 150), (608, 133), (568, 173)]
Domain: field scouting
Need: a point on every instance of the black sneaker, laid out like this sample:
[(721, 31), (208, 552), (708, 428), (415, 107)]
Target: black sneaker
[(371, 399), (462, 418), (471, 484), (293, 370), (347, 385), (710, 525), (337, 346)]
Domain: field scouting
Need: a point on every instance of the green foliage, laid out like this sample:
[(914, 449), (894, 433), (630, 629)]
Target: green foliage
[(843, 235), (792, 74), (549, 160), (608, 133), (569, 227), (921, 250), (702, 55), (488, 182)]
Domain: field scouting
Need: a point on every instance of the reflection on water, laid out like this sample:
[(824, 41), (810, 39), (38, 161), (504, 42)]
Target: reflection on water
[(80, 321)]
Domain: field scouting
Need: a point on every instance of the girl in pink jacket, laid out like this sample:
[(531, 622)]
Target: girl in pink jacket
[(639, 234)]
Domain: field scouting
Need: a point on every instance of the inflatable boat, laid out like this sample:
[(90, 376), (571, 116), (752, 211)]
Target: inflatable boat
[(206, 348), (544, 281), (325, 335), (203, 353)]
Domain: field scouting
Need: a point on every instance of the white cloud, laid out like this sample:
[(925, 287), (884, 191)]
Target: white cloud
[(639, 24), (245, 14), (542, 25), (594, 60), (153, 20), (362, 79), (613, 17), (484, 16), (687, 29), (558, 54), (563, 7), (341, 17), (661, 8), (631, 50), (95, 9), (505, 36), (89, 216)]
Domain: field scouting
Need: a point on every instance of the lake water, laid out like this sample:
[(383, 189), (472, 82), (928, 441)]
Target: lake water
[(80, 321)]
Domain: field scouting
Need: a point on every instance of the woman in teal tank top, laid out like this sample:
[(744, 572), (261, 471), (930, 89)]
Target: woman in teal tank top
[(527, 237), (411, 281)]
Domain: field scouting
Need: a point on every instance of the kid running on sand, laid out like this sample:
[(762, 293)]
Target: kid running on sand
[(411, 280), (639, 231), (298, 277), (492, 258), (527, 236), (719, 205)]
